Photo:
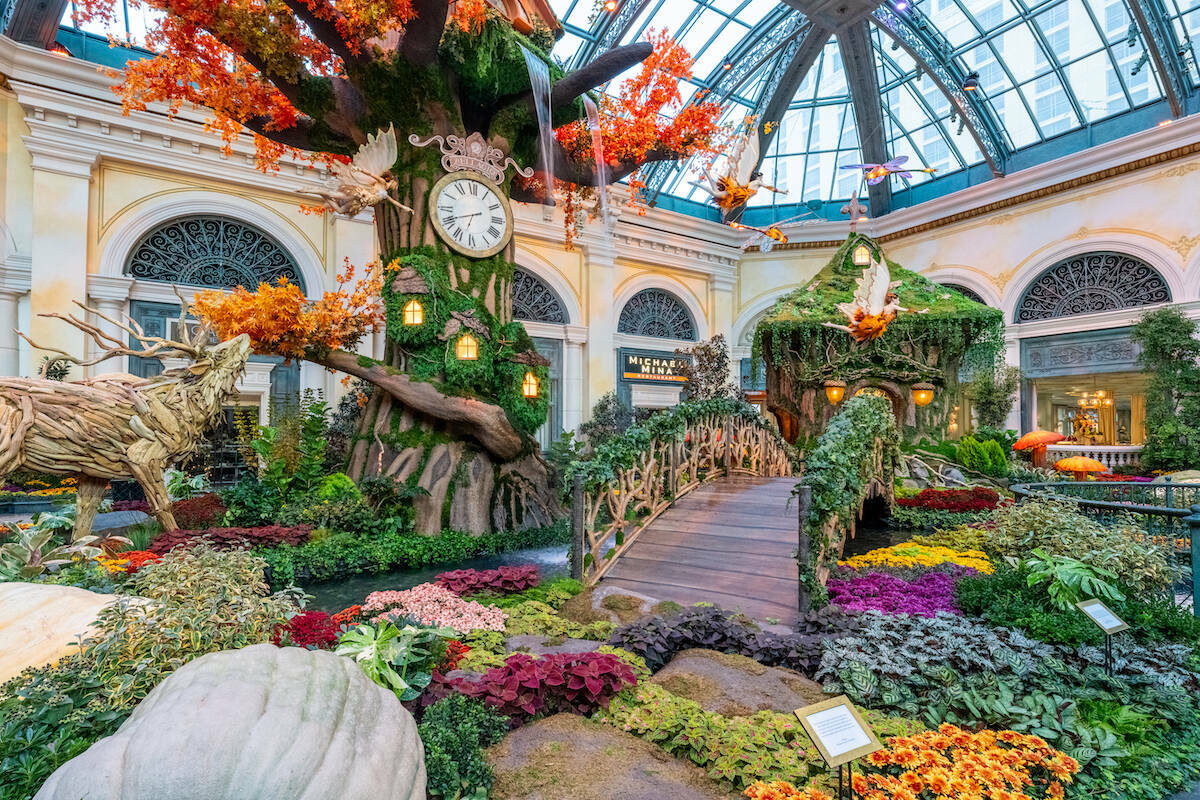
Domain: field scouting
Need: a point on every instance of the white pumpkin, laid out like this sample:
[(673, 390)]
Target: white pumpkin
[(260, 723), (42, 622)]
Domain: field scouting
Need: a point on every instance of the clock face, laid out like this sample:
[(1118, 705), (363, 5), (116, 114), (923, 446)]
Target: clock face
[(471, 214)]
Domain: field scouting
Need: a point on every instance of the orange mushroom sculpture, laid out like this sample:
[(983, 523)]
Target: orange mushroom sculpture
[(1080, 466), (1037, 441)]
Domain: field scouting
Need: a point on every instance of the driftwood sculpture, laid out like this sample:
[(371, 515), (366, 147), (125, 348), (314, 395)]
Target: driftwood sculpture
[(118, 426)]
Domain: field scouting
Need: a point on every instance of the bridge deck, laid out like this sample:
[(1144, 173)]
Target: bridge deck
[(731, 543)]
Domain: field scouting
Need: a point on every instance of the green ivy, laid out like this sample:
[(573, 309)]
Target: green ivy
[(839, 471)]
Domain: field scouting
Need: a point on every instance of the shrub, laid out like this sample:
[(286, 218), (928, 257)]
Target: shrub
[(202, 600), (528, 686), (251, 502), (336, 487), (986, 457), (202, 511), (928, 519), (230, 538), (430, 604), (1055, 526), (314, 630), (925, 596), (554, 593), (977, 498), (504, 580), (454, 731)]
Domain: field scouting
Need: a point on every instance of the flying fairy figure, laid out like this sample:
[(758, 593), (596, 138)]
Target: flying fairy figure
[(367, 180), (767, 238), (733, 181), (877, 173), (874, 306)]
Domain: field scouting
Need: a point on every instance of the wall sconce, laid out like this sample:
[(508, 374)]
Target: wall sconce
[(529, 387), (862, 256), (413, 313), (835, 391), (971, 83), (922, 393), (467, 349)]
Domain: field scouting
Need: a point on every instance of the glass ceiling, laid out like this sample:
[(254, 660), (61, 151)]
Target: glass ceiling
[(1054, 76), (1046, 69)]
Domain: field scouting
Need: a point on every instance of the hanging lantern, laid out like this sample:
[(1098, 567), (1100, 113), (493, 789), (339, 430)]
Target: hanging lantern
[(529, 387), (862, 256), (413, 313), (922, 393), (467, 348), (835, 391)]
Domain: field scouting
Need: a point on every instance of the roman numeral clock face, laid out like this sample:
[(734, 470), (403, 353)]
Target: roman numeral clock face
[(471, 214)]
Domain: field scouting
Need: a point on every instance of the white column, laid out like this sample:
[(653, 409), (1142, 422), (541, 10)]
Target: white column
[(573, 391), (9, 349), (600, 280), (1012, 357), (109, 295)]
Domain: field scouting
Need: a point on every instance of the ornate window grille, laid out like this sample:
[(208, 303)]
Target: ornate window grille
[(534, 301), (970, 294), (213, 251), (1092, 282), (654, 312)]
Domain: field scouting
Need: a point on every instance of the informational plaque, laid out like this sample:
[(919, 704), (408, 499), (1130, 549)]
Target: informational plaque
[(1103, 616), (839, 733)]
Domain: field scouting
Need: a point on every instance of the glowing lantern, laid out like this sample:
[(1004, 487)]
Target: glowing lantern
[(530, 385), (467, 348), (413, 313), (922, 393), (862, 255), (835, 391)]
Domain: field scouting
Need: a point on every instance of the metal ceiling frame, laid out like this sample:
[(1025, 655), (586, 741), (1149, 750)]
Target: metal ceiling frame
[(1163, 48), (862, 81)]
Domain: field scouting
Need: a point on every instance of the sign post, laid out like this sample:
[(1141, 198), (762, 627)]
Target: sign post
[(841, 735), (1107, 621)]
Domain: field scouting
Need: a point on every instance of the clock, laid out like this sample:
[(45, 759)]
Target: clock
[(471, 214)]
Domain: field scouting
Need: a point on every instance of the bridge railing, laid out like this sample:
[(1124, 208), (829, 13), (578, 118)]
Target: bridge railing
[(1169, 513), (630, 481), (854, 459)]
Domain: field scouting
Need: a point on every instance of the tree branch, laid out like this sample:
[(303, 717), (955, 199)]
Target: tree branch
[(586, 174), (422, 35), (324, 27), (487, 423), (598, 71)]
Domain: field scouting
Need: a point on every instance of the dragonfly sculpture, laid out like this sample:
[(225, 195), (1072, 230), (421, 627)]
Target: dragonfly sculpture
[(877, 173)]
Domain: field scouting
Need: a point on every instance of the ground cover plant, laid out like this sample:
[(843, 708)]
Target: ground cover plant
[(925, 596), (933, 508)]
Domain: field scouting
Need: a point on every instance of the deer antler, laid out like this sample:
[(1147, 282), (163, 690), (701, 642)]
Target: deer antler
[(111, 345)]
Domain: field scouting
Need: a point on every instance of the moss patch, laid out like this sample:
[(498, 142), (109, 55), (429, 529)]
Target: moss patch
[(579, 609), (626, 608)]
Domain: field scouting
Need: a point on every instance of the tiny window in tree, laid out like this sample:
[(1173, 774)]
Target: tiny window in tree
[(414, 314), (530, 387), (862, 255), (467, 348)]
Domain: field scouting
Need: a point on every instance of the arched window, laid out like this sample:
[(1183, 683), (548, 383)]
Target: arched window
[(970, 294), (534, 301), (213, 251), (658, 313), (1092, 282)]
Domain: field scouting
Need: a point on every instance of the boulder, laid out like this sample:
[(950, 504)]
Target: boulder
[(42, 623), (260, 723), (918, 471), (566, 756), (953, 475), (733, 685), (540, 645)]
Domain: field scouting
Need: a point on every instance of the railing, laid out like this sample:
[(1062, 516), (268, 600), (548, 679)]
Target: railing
[(630, 482), (1110, 455), (1169, 512)]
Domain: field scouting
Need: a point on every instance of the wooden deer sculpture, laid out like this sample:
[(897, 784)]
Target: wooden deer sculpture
[(118, 426)]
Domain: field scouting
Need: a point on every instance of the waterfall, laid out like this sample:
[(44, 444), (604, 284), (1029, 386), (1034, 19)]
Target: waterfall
[(539, 80), (593, 116)]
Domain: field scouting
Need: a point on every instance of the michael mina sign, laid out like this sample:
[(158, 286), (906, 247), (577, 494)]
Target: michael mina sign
[(652, 368)]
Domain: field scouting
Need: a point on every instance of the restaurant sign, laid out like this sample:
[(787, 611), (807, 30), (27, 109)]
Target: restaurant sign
[(641, 366)]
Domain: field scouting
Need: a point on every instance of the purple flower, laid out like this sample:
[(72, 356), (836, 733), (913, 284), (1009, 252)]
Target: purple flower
[(925, 596)]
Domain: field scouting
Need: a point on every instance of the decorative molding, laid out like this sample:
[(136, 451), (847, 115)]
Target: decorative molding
[(1179, 171), (1184, 245), (15, 273), (1079, 353), (1092, 283), (110, 287)]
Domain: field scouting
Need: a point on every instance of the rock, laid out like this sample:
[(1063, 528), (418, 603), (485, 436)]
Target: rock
[(734, 685), (538, 644), (955, 476), (42, 623), (909, 483), (621, 605), (115, 523), (260, 723), (918, 471), (566, 757)]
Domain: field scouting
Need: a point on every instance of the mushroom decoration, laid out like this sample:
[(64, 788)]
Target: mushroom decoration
[(1080, 466), (1037, 441)]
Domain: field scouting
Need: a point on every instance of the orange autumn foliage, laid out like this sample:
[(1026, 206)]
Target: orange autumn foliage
[(281, 321), (469, 15)]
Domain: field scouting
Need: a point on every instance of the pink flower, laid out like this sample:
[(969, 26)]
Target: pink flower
[(430, 604)]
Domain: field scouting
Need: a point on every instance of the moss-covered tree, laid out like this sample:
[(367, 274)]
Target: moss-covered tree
[(319, 76), (1171, 358)]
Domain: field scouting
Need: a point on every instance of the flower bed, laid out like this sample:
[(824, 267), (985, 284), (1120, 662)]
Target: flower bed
[(229, 538), (430, 604), (504, 580), (910, 555), (925, 596), (314, 630), (932, 508)]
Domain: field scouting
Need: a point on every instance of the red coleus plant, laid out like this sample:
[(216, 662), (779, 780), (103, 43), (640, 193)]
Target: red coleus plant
[(201, 511), (230, 538), (529, 686), (349, 616), (504, 580), (138, 559), (314, 630), (455, 650), (978, 498)]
